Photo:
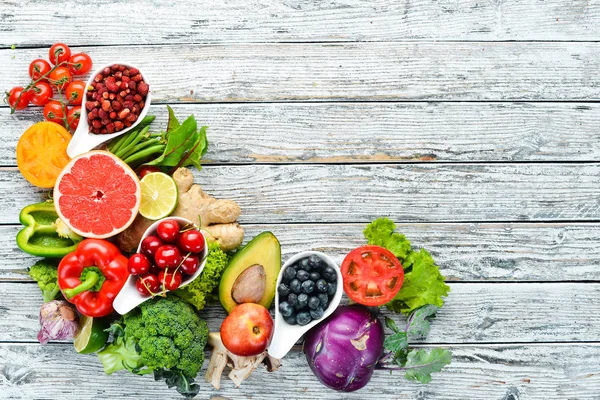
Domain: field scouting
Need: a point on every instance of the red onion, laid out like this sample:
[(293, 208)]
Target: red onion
[(58, 320)]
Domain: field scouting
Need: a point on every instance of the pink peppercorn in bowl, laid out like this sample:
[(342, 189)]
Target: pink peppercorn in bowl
[(117, 98)]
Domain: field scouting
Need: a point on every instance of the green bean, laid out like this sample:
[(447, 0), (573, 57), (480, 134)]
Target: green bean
[(136, 139), (141, 155), (115, 144), (140, 146)]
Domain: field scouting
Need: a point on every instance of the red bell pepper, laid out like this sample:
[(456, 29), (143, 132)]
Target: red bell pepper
[(91, 276)]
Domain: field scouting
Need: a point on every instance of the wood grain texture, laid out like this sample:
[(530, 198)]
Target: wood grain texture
[(464, 252), (405, 193), (473, 313), (375, 132), (532, 372), (359, 71), (175, 21)]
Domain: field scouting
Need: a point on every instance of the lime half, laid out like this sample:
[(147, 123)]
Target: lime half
[(91, 336), (159, 195)]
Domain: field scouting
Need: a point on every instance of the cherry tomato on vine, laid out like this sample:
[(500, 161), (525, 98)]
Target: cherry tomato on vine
[(80, 63), (372, 275), (168, 230), (75, 92), (147, 285), (138, 264), (53, 111), (73, 118), (18, 99), (42, 93), (146, 169), (192, 241), (58, 53), (167, 256), (170, 280), (60, 77), (38, 68), (190, 265)]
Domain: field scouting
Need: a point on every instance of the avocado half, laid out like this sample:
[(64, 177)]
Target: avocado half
[(264, 250)]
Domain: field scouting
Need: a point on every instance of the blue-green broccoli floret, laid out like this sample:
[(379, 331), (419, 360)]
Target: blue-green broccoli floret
[(44, 272), (200, 291), (168, 335)]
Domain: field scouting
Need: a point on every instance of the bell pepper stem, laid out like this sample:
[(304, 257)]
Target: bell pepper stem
[(91, 279)]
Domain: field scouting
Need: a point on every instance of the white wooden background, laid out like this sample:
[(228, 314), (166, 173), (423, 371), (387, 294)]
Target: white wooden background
[(473, 124)]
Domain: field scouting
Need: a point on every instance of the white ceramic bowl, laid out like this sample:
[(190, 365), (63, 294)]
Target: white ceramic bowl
[(129, 298), (83, 140), (286, 335)]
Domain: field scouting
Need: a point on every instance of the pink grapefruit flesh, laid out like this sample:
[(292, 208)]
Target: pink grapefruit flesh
[(97, 195)]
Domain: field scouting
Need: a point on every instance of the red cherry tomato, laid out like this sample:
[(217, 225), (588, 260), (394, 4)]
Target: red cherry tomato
[(190, 265), (138, 264), (80, 63), (18, 99), (147, 285), (39, 68), (192, 241), (372, 275), (150, 245), (167, 256), (60, 77), (73, 118), (58, 53), (146, 169), (42, 93), (53, 111), (170, 280), (168, 230), (75, 92)]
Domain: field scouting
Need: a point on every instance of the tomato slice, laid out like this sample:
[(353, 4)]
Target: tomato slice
[(372, 275)]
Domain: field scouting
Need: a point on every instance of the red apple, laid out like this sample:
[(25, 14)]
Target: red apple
[(247, 330)]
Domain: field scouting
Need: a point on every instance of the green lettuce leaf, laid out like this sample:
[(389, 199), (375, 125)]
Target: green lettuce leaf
[(423, 282), (420, 364)]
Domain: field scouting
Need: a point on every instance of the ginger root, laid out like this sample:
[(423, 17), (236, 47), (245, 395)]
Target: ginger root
[(216, 218), (241, 367)]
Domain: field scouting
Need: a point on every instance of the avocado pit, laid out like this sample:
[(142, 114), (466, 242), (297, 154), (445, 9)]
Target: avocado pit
[(249, 287)]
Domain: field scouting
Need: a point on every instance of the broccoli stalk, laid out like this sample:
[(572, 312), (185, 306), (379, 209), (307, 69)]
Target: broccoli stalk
[(44, 272)]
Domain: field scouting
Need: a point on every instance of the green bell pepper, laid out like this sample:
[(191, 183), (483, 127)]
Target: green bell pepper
[(45, 235)]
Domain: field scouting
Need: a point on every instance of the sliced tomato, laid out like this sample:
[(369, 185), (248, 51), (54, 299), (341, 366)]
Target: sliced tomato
[(372, 275)]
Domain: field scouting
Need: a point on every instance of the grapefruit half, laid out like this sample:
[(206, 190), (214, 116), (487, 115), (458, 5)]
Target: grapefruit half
[(97, 195)]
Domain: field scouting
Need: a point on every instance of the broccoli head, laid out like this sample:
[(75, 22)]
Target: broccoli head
[(44, 272), (199, 291), (169, 335)]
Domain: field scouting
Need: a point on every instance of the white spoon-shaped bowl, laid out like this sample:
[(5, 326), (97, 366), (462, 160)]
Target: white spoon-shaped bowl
[(286, 335), (129, 298), (83, 140)]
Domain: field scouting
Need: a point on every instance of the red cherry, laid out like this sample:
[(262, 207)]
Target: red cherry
[(167, 256), (150, 245), (168, 231), (170, 280), (138, 264), (191, 241), (190, 265), (147, 285)]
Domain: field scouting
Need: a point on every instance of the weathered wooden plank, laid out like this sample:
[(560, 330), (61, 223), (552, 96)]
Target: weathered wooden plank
[(405, 193), (473, 313), (269, 20), (465, 252), (533, 372), (359, 71), (367, 132)]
